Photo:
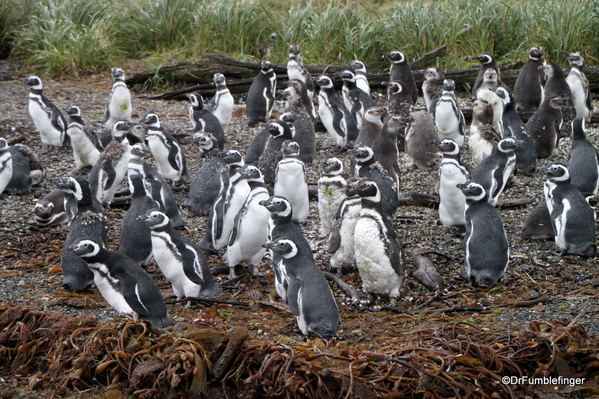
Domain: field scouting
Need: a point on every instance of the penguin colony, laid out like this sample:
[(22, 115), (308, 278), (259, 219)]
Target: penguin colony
[(356, 204)]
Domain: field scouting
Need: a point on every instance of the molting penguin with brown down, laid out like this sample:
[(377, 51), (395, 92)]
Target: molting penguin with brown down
[(556, 85), (487, 61), (544, 125)]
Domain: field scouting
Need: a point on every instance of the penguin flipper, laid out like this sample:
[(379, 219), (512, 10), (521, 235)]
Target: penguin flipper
[(237, 225), (295, 284), (130, 289), (191, 264), (589, 99), (335, 237), (174, 156), (109, 174)]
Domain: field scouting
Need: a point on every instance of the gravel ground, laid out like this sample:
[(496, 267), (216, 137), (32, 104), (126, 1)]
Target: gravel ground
[(30, 255)]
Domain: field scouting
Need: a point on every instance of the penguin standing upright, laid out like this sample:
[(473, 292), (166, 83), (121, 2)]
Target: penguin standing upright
[(372, 126), (297, 70), (419, 139), (361, 79), (221, 105), (557, 85), (135, 240), (167, 151), (56, 207), (526, 154), (572, 218), (27, 170), (258, 145), (279, 131), (299, 116), (485, 242), (208, 181), (341, 237), (583, 162), (126, 287), (379, 255), (309, 296), (204, 121), (119, 101), (483, 137), (490, 79), (90, 223), (331, 191), (5, 165), (261, 95), (86, 144), (109, 170), (297, 96), (452, 201), (385, 149), (528, 89), (291, 181), (250, 231), (155, 185), (354, 98), (432, 87), (577, 80), (496, 100), (494, 171), (398, 97), (46, 116), (544, 125), (181, 261), (449, 119), (335, 116), (487, 61), (401, 72)]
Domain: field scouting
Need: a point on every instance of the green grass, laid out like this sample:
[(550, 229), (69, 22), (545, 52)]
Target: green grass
[(79, 36)]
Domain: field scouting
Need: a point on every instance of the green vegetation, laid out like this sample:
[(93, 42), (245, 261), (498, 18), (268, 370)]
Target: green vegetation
[(79, 36)]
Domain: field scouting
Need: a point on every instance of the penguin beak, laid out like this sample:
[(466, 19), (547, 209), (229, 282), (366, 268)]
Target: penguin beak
[(268, 245)]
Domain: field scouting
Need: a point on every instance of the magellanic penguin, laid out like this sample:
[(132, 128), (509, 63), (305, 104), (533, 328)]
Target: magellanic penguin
[(386, 148), (181, 261), (495, 98), (572, 218), (109, 170), (537, 225), (544, 125), (299, 116), (368, 168), (86, 143), (46, 116), (482, 137), (372, 126), (119, 106), (490, 80), (167, 151), (379, 255), (27, 170), (221, 105), (335, 116), (485, 242), (494, 171), (449, 119), (296, 95), (452, 201), (208, 181), (398, 97), (341, 237), (583, 162), (135, 240), (526, 154), (556, 85), (279, 131), (56, 207), (432, 87), (528, 89), (361, 79), (331, 192), (297, 70), (126, 287), (487, 61), (577, 80), (280, 225), (155, 185), (354, 98), (419, 140), (258, 144), (401, 72), (250, 231), (261, 95), (89, 222), (6, 167), (309, 296), (291, 181), (204, 121)]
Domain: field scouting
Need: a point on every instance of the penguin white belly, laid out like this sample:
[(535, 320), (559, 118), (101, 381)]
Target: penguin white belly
[(362, 83), (224, 109), (378, 276), (111, 295), (5, 170), (119, 105), (85, 152), (251, 234), (235, 204), (561, 225), (479, 147), (293, 71), (42, 120), (301, 318), (452, 201), (120, 169), (448, 123), (291, 184), (579, 93), (329, 199), (326, 116), (345, 256), (161, 154), (172, 267)]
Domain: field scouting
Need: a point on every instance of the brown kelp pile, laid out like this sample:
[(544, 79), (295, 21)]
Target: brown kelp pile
[(49, 351)]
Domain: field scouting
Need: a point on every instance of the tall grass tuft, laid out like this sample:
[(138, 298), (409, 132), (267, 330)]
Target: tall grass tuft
[(12, 20)]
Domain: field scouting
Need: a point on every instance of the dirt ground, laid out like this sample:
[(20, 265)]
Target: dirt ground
[(558, 288)]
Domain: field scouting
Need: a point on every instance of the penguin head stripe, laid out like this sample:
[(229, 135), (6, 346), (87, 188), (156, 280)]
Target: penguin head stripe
[(368, 189), (252, 173), (508, 144), (394, 87), (139, 150), (535, 53), (285, 247), (155, 219), (473, 191), (150, 119), (278, 205), (294, 50), (73, 110), (557, 172), (276, 129), (71, 185), (397, 57), (501, 93), (117, 74), (347, 75), (120, 129), (85, 248), (575, 59), (290, 147), (448, 85), (265, 67), (325, 82), (33, 82), (357, 65), (448, 147), (484, 58), (332, 166), (219, 79), (362, 153), (233, 158)]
